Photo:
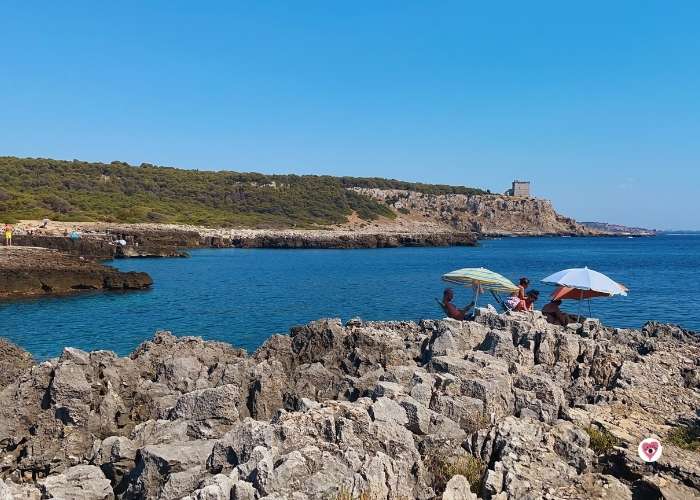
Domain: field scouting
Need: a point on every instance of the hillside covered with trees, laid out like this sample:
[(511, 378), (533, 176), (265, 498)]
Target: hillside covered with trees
[(34, 188)]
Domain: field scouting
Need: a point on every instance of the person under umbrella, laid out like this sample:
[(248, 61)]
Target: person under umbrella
[(583, 283)]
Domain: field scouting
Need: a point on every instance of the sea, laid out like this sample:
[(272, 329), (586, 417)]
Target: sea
[(243, 296)]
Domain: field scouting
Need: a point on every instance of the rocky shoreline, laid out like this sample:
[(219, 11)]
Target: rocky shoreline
[(31, 271), (98, 240), (503, 407)]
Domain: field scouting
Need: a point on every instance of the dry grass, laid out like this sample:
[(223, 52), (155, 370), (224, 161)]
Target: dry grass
[(444, 468), (475, 423), (602, 442), (345, 494)]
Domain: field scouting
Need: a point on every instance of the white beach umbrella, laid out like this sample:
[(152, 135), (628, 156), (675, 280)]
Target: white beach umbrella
[(586, 279)]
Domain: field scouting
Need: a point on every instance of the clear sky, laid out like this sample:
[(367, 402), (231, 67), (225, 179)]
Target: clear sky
[(597, 103)]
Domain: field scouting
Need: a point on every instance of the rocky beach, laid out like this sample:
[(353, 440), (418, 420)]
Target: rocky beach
[(503, 407)]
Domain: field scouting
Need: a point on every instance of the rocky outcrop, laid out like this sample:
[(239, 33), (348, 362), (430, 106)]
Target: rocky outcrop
[(103, 245), (27, 271), (343, 239), (486, 215), (503, 407), (143, 240), (13, 361)]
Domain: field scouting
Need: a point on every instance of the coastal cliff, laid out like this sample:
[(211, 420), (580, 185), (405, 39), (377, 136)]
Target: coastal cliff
[(27, 271), (503, 407), (483, 214)]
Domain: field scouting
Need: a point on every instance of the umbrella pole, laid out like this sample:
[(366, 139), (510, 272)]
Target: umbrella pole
[(579, 307)]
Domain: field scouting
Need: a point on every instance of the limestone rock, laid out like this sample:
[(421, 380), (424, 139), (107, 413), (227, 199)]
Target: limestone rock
[(362, 409), (82, 481), (458, 488)]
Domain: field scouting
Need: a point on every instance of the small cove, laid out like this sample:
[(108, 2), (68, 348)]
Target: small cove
[(242, 296)]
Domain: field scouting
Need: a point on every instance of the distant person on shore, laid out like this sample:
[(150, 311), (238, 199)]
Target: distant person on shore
[(74, 235), (555, 315), (517, 299), (44, 224), (529, 303), (8, 235), (452, 310)]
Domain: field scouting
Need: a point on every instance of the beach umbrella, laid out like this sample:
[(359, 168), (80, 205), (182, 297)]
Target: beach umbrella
[(566, 292), (584, 279), (583, 283), (480, 279)]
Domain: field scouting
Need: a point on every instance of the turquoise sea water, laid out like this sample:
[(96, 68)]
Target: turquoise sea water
[(244, 296)]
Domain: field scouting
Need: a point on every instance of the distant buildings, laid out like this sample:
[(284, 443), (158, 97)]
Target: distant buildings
[(520, 188)]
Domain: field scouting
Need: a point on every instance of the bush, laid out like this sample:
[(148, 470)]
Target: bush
[(445, 468), (602, 442), (684, 437), (57, 204)]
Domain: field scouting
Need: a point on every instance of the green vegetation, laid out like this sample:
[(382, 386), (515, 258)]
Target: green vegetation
[(602, 441), (687, 438), (33, 188), (445, 468), (377, 182)]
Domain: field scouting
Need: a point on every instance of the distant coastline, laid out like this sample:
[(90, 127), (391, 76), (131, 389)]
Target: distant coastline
[(618, 229)]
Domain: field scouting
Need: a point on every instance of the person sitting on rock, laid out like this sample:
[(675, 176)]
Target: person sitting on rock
[(553, 314), (529, 302), (517, 299), (452, 310)]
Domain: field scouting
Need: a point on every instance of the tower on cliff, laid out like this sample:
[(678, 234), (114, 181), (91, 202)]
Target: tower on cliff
[(520, 188)]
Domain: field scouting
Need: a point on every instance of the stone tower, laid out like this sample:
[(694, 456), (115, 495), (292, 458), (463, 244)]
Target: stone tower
[(520, 188)]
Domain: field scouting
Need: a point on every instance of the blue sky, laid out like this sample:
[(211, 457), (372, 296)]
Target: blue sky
[(596, 103)]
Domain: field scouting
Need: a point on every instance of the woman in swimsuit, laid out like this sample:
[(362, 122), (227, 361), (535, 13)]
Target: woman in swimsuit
[(517, 299)]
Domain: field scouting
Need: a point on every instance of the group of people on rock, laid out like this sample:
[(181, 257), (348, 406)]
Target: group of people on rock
[(520, 301)]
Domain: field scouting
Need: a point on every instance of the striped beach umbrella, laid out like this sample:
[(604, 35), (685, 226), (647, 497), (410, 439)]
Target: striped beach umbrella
[(483, 278), (480, 279)]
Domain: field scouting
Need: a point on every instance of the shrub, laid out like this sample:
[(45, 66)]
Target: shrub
[(36, 188), (684, 437), (443, 468), (602, 441), (57, 204)]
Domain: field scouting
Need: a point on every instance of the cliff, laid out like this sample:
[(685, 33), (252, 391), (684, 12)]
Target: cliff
[(507, 406), (27, 271), (487, 215)]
